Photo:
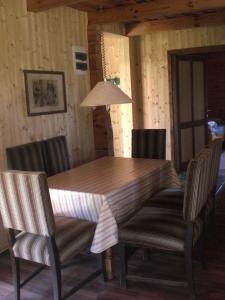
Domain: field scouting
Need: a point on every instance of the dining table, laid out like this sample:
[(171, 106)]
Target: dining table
[(108, 191)]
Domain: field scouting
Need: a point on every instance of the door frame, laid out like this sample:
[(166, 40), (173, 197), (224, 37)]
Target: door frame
[(174, 113)]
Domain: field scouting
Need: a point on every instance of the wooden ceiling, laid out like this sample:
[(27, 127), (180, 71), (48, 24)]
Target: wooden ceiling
[(142, 16), (85, 5), (99, 5)]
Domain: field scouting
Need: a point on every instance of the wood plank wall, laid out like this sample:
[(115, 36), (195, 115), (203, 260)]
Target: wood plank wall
[(116, 63), (42, 41), (215, 81), (103, 146), (150, 72), (96, 75)]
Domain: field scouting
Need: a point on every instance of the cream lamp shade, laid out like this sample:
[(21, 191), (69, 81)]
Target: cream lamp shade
[(105, 93)]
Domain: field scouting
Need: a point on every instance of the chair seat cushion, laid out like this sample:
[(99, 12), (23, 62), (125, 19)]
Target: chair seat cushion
[(167, 198), (158, 229), (72, 237)]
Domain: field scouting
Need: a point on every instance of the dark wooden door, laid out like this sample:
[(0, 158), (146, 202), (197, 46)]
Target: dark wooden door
[(189, 108)]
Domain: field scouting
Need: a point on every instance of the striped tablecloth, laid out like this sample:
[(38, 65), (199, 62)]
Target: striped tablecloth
[(107, 191)]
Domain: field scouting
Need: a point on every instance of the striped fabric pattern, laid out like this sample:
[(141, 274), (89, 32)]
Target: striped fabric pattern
[(72, 236), (166, 228), (108, 191), (149, 143), (174, 197), (57, 157), (197, 188), (159, 228), (25, 203), (27, 157), (50, 156), (167, 198), (216, 146)]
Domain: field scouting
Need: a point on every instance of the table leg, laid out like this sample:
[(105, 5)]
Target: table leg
[(108, 264)]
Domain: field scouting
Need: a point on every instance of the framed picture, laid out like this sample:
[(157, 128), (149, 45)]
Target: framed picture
[(45, 92)]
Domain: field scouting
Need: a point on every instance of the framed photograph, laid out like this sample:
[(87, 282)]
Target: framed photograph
[(45, 92)]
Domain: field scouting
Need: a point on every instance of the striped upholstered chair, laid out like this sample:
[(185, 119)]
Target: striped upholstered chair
[(173, 198), (168, 230), (26, 208), (149, 143), (56, 155), (27, 157)]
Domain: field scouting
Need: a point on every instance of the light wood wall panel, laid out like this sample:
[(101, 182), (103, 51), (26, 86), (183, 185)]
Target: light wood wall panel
[(101, 136), (121, 115), (151, 74), (42, 41), (116, 63)]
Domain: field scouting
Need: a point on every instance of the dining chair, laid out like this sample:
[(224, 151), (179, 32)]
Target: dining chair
[(168, 230), (149, 143), (173, 198), (56, 154), (27, 157), (35, 234)]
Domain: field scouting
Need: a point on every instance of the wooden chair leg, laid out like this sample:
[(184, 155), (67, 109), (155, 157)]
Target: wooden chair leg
[(56, 281), (213, 225), (123, 266), (102, 266), (16, 276), (15, 264), (189, 269), (55, 268), (201, 251)]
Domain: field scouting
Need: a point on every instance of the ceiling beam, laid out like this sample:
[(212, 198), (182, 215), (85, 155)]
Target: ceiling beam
[(179, 22), (40, 5), (153, 10)]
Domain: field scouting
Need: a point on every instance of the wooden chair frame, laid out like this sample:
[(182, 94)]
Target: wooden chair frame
[(56, 268), (188, 260)]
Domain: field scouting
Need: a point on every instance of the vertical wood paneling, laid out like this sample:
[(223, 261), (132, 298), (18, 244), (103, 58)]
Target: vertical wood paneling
[(42, 41), (150, 69), (186, 142), (215, 69), (118, 114), (117, 64), (99, 114), (198, 90), (185, 91)]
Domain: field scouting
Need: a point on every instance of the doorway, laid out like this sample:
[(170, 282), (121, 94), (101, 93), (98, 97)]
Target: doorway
[(193, 88)]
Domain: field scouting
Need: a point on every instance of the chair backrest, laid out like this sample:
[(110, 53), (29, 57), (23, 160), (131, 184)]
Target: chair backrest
[(216, 146), (197, 190), (56, 153), (25, 202), (149, 143), (50, 156), (27, 157)]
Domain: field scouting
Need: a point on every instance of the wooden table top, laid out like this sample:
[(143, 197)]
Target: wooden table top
[(105, 175)]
